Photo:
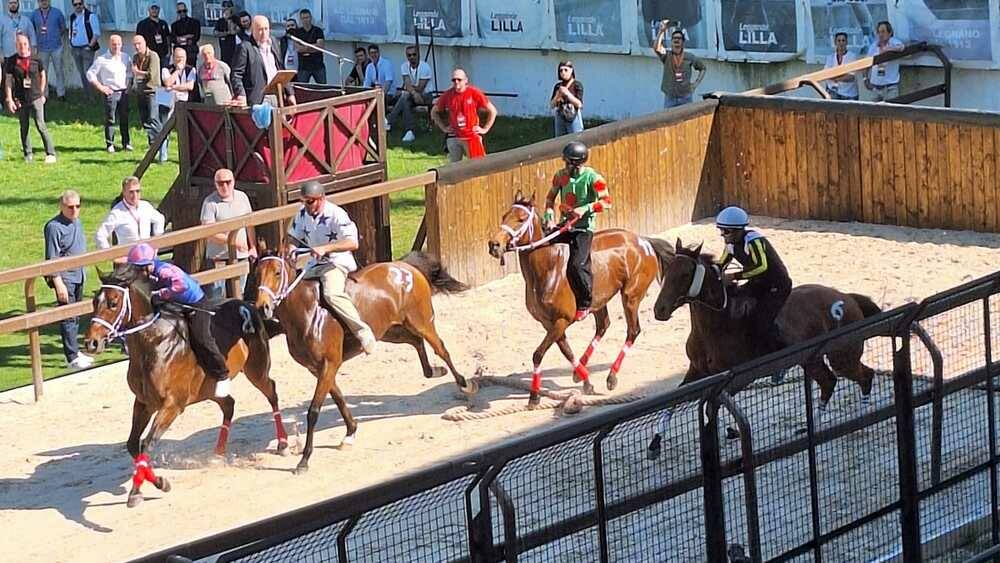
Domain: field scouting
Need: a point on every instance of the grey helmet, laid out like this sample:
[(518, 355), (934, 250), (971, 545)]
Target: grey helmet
[(576, 153)]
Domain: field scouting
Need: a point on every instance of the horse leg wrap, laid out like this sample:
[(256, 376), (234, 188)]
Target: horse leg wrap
[(279, 428), (220, 445), (536, 379), (143, 471), (621, 358), (580, 370), (585, 358)]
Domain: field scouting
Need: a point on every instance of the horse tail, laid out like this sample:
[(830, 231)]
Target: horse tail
[(430, 266), (868, 307), (664, 253)]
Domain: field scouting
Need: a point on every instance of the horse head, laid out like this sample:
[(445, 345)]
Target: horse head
[(270, 280), (519, 226), (122, 300), (684, 282)]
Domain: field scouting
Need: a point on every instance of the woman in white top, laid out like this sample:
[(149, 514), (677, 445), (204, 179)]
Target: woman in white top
[(178, 82), (132, 219), (845, 86)]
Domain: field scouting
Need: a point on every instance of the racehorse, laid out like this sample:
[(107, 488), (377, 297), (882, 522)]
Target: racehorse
[(393, 298), (718, 342), (621, 261), (164, 373)]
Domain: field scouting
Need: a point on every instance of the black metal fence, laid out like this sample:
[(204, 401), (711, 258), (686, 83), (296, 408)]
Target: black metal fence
[(748, 466)]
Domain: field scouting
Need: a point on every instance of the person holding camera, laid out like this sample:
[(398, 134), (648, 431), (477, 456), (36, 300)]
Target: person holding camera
[(678, 67), (567, 100)]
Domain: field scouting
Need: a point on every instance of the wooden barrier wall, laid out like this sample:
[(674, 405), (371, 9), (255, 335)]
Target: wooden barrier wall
[(661, 169), (899, 165)]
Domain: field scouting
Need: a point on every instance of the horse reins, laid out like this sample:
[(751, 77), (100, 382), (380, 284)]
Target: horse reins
[(529, 227), (123, 313), (698, 282), (286, 287)]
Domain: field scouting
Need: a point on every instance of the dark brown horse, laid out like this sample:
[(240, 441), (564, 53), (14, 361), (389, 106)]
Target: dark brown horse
[(163, 372), (622, 263), (394, 298), (718, 342)]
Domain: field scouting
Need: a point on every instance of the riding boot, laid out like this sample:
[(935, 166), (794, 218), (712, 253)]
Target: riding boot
[(207, 352)]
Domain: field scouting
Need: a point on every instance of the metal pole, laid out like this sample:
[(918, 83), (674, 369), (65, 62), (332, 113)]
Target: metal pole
[(715, 519), (906, 446)]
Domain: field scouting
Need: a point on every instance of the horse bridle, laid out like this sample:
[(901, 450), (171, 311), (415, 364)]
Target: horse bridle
[(114, 328), (529, 227), (693, 294), (287, 284)]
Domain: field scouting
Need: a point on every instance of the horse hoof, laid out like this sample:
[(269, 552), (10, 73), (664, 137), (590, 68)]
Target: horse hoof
[(346, 443), (732, 433), (301, 469), (162, 484), (470, 389), (612, 382), (572, 405), (588, 388), (437, 371), (653, 450), (134, 500), (283, 450), (533, 401)]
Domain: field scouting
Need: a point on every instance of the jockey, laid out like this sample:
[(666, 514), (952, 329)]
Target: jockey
[(583, 193), (172, 284), (332, 237), (767, 280)]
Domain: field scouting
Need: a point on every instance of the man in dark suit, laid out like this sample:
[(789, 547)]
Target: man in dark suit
[(256, 63)]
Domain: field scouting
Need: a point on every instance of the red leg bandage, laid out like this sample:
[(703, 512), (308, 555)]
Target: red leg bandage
[(621, 357), (143, 471), (220, 445), (585, 358), (536, 380), (279, 428), (581, 371)]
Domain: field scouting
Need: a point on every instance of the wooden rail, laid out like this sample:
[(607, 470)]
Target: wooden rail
[(33, 319)]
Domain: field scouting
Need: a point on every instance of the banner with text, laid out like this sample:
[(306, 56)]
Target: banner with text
[(519, 24), (760, 30), (696, 18), (356, 19), (589, 25), (961, 27), (856, 18), (446, 19)]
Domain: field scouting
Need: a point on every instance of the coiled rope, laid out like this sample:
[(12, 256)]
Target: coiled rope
[(571, 402)]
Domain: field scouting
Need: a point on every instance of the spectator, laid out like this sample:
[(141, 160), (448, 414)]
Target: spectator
[(845, 86), (186, 31), (50, 26), (311, 65), (416, 74), (225, 31), (214, 78), (131, 219), (379, 73), (177, 83), (156, 32), (145, 81), (24, 94), (84, 31), (567, 100), (64, 237), (257, 61), (109, 74), (242, 30), (883, 79), (286, 47), (226, 203), (12, 23), (678, 67), (463, 134), (357, 75)]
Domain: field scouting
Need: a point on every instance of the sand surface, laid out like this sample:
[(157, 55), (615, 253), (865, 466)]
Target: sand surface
[(65, 473)]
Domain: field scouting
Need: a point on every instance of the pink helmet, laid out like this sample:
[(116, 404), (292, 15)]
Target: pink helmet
[(141, 254)]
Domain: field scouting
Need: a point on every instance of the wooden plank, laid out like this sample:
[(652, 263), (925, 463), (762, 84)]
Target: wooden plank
[(767, 186), (834, 157), (947, 134), (956, 221), (812, 158), (805, 205), (850, 169), (921, 170), (898, 172), (996, 176), (989, 181), (781, 181), (885, 200), (791, 166), (911, 179), (933, 159), (978, 215), (865, 165), (821, 181)]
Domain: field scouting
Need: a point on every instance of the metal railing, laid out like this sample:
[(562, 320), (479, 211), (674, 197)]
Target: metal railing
[(747, 468)]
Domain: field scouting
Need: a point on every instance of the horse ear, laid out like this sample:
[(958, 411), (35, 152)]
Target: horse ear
[(679, 246), (261, 246), (697, 250), (101, 275), (518, 196)]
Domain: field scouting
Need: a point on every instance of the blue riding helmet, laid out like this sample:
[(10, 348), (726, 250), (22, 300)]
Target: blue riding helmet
[(732, 217)]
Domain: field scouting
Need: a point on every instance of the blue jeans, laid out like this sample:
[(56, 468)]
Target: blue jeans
[(672, 102), (69, 328), (564, 127), (317, 74)]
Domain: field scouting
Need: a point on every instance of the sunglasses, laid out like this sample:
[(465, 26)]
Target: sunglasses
[(458, 80), (77, 206), (77, 4), (182, 11)]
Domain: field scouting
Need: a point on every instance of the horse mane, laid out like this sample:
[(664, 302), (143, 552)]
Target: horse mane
[(128, 276)]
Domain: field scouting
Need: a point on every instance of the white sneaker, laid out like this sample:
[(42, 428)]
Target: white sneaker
[(81, 362), (50, 159), (408, 137), (368, 341), (89, 360), (128, 148), (388, 127), (222, 388), (111, 148)]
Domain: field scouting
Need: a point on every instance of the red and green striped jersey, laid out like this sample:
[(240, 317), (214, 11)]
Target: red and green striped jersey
[(588, 189)]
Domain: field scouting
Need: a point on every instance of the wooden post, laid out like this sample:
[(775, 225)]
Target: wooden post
[(233, 288), (33, 340)]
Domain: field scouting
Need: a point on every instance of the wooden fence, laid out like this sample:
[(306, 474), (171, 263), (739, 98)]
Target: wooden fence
[(874, 163), (661, 169)]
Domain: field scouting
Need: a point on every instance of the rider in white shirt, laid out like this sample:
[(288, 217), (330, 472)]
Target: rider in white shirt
[(843, 87)]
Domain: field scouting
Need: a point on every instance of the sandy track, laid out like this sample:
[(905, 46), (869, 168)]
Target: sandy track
[(63, 479)]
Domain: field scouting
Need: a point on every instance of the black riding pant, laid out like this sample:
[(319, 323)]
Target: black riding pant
[(769, 298), (203, 343), (581, 281)]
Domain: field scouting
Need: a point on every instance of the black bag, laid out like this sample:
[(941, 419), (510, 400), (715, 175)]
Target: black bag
[(567, 111)]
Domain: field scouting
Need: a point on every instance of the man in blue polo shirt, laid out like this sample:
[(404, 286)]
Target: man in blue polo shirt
[(64, 237), (50, 26)]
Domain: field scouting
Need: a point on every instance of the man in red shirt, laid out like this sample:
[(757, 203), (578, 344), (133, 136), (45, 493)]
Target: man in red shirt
[(463, 133)]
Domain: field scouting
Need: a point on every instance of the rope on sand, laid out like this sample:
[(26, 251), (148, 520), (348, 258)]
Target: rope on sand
[(570, 401)]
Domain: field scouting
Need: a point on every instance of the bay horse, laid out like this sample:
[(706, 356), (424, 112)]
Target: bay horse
[(622, 263), (393, 298), (164, 373), (718, 342)]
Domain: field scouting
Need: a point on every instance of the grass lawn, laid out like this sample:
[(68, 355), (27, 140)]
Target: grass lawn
[(29, 192)]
